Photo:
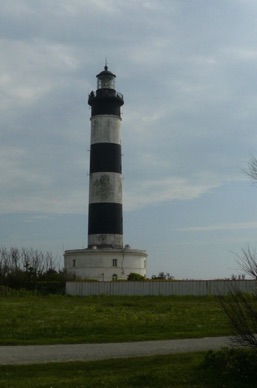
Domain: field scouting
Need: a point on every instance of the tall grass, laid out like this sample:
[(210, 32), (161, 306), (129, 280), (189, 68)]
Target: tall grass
[(61, 319)]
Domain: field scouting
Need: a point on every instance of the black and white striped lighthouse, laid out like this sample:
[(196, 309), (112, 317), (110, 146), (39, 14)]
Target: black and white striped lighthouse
[(105, 258), (105, 221)]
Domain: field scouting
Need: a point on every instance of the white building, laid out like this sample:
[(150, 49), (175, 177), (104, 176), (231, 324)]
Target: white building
[(105, 264)]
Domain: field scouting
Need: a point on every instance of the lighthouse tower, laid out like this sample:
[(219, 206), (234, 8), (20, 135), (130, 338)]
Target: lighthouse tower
[(105, 223), (105, 258)]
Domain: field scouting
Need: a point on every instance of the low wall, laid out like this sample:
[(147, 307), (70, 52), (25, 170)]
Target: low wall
[(178, 287)]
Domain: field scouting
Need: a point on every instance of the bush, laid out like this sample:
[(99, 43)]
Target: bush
[(135, 277), (51, 287), (234, 366), (7, 291)]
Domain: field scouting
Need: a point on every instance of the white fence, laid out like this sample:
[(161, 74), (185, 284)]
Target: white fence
[(178, 287)]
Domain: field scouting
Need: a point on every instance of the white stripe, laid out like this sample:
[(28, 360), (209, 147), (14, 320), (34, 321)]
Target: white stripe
[(105, 129), (105, 187), (105, 239)]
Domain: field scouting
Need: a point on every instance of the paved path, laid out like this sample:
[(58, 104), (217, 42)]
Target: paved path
[(33, 354)]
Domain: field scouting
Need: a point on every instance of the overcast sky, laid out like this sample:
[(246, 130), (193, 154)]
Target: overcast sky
[(188, 73)]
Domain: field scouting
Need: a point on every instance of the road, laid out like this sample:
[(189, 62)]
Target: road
[(34, 354)]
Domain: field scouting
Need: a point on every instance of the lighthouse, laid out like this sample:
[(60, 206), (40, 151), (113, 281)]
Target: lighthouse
[(105, 220), (106, 258)]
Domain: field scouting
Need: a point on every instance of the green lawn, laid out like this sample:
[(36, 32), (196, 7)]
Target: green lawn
[(35, 319), (62, 319), (162, 371), (177, 370)]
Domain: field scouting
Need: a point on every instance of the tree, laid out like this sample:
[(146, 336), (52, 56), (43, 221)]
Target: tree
[(163, 276), (29, 269), (247, 261), (251, 170), (240, 308)]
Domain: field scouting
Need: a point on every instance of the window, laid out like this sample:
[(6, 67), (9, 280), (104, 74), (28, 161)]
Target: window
[(114, 276), (74, 263), (114, 262), (144, 263)]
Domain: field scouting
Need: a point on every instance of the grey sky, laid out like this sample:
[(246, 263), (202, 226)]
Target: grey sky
[(187, 70)]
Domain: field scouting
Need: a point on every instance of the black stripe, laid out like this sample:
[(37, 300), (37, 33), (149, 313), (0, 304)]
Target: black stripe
[(106, 107), (105, 157), (105, 218), (105, 101)]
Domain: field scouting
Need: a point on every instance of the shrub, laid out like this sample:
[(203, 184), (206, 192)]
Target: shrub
[(135, 277), (234, 366)]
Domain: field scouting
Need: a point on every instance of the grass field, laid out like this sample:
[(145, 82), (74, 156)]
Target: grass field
[(35, 319), (162, 371), (177, 370), (62, 319)]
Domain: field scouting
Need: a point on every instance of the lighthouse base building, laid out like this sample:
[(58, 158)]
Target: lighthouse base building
[(105, 264), (105, 258)]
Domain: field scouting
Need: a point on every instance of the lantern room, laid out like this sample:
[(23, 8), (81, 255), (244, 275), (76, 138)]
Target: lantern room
[(106, 79)]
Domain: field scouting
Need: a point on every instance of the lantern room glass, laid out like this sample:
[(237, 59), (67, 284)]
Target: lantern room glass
[(106, 81)]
